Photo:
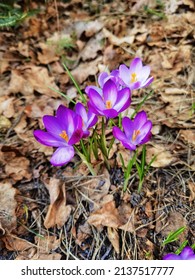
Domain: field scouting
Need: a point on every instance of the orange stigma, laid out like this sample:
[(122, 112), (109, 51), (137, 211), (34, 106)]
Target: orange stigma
[(64, 135), (133, 77), (108, 104), (135, 134)]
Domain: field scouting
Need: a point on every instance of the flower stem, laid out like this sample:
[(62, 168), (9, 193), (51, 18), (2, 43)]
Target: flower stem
[(75, 83), (84, 159)]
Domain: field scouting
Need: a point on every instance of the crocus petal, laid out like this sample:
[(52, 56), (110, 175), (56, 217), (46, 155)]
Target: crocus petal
[(144, 73), (128, 126), (171, 257), (96, 99), (110, 113), (102, 78), (62, 155), (144, 130), (77, 132), (110, 92), (48, 139), (187, 252), (136, 65), (124, 74), (123, 100), (118, 134), (80, 110), (140, 120), (52, 125), (65, 117), (135, 85), (146, 138), (94, 109), (148, 82), (88, 88), (92, 119), (191, 257)]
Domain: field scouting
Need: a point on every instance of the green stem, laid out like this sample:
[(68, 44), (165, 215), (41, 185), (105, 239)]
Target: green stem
[(84, 159), (75, 83)]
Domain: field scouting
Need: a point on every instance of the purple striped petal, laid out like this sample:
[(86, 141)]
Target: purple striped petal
[(123, 100), (96, 99), (80, 110), (118, 134), (99, 90), (110, 113), (77, 131), (92, 119), (148, 82), (65, 118), (144, 73), (128, 126), (48, 139), (140, 120), (102, 78), (62, 155), (52, 125), (171, 257), (124, 74), (144, 130), (110, 92), (186, 253), (136, 65)]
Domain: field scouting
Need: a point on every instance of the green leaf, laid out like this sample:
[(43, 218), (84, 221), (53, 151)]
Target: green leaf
[(173, 236)]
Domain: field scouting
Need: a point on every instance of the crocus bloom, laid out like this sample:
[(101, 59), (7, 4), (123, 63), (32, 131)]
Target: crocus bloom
[(102, 79), (135, 133), (89, 119), (111, 102), (186, 254), (63, 131), (136, 76)]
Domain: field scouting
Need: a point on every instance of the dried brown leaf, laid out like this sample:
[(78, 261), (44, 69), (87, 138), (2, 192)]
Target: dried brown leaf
[(188, 136), (113, 236), (82, 72), (164, 157), (108, 216), (30, 79), (174, 221), (18, 168), (191, 186), (14, 243), (47, 244), (58, 212), (7, 207), (47, 54)]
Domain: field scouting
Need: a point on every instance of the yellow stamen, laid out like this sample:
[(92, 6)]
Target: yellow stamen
[(108, 104), (64, 135), (133, 77), (135, 134)]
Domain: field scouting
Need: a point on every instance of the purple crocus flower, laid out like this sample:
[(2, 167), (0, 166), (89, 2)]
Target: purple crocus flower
[(111, 102), (136, 76), (135, 133), (89, 119), (63, 131), (186, 254), (102, 79)]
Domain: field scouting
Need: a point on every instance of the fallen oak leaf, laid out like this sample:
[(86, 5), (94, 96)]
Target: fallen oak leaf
[(14, 243), (7, 207), (58, 212), (114, 238), (108, 216)]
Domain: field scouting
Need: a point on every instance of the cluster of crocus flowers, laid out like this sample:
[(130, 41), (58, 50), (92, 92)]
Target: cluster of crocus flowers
[(186, 254), (112, 97)]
